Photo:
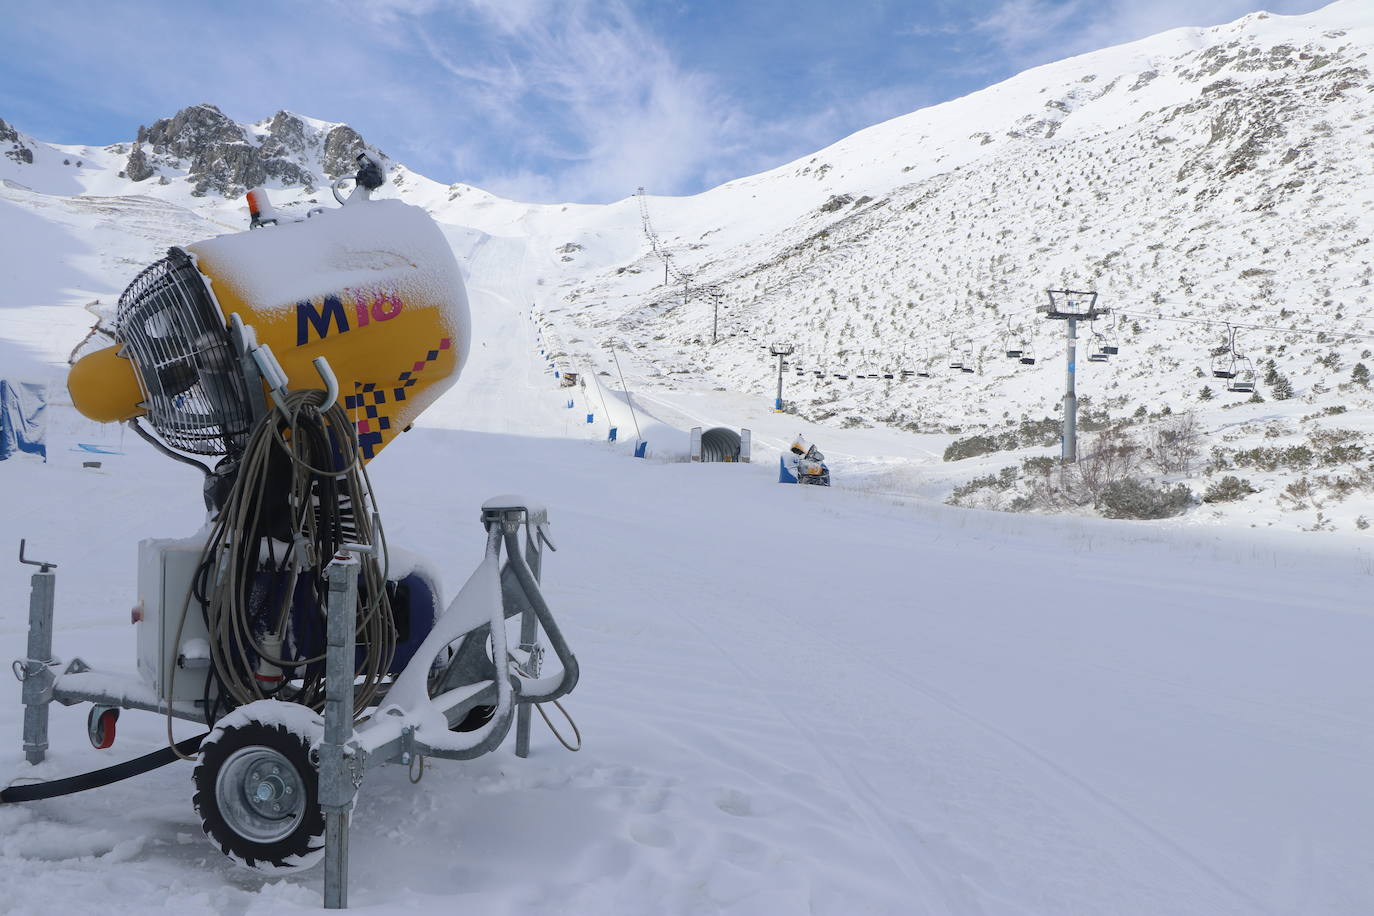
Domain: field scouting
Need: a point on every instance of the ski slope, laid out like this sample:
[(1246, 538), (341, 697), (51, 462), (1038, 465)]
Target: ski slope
[(793, 700)]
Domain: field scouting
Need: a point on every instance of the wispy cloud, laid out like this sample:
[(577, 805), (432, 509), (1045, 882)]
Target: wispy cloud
[(1033, 32), (592, 91)]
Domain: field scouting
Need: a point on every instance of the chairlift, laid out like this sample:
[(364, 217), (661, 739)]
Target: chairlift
[(1013, 348), (927, 366), (1242, 368), (1244, 379), (1225, 360), (887, 375), (841, 375), (1099, 352), (872, 375), (1027, 354)]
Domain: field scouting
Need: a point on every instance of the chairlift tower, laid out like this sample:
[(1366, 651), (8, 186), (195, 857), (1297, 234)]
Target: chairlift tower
[(1070, 306), (779, 350)]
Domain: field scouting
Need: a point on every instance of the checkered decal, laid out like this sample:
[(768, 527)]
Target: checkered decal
[(375, 402)]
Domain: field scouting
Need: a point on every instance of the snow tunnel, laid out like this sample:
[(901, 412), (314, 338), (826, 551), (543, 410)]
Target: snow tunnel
[(720, 443)]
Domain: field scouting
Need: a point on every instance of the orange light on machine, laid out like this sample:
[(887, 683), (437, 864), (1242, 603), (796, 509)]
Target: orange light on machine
[(260, 209)]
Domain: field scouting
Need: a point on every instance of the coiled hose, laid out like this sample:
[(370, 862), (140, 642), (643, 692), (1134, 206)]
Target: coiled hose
[(289, 518)]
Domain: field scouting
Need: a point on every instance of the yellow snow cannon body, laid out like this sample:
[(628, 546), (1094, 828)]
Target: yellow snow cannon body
[(373, 287)]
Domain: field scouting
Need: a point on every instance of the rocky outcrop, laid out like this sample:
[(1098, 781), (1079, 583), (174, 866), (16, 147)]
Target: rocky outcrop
[(221, 156), (341, 149), (12, 146), (137, 167)]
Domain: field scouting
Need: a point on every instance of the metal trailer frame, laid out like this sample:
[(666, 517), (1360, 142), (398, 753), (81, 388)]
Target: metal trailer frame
[(393, 733)]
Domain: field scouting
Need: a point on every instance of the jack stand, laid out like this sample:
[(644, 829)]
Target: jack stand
[(37, 692), (529, 627), (337, 785)]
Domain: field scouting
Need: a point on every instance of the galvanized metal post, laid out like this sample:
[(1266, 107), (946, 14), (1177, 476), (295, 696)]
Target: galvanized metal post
[(715, 315), (336, 782), (529, 632), (35, 693), (1069, 440), (778, 404)]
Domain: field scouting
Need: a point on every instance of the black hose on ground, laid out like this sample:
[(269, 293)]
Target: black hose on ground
[(96, 778)]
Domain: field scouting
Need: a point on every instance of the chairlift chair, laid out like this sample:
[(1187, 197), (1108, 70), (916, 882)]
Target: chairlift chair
[(1013, 350), (1226, 361), (1223, 363), (1244, 379), (1027, 354), (1099, 344), (1111, 342)]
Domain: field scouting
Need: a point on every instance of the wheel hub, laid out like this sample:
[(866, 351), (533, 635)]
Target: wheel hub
[(260, 794)]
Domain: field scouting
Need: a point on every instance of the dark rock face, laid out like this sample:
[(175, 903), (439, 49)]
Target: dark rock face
[(137, 168), (341, 149), (222, 157), (9, 137)]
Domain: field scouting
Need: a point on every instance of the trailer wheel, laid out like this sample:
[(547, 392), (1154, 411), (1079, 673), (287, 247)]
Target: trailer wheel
[(257, 794), (101, 725)]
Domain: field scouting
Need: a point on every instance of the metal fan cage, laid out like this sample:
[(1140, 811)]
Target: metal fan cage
[(195, 394)]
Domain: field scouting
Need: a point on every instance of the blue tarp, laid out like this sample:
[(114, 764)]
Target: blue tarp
[(23, 408)]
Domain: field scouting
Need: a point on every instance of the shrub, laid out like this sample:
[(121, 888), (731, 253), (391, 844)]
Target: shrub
[(1174, 446), (1227, 490), (971, 447), (1132, 498), (1000, 481)]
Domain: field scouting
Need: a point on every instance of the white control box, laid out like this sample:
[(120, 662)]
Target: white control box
[(166, 570)]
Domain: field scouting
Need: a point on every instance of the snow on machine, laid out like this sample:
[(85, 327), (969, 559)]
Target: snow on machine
[(292, 355)]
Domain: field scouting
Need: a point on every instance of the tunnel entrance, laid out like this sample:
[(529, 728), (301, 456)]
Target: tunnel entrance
[(720, 443)]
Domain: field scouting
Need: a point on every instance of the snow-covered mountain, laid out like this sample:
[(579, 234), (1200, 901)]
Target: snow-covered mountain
[(1209, 175)]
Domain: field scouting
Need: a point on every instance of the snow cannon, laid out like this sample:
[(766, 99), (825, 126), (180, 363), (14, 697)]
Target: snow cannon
[(373, 289), (296, 352), (804, 464)]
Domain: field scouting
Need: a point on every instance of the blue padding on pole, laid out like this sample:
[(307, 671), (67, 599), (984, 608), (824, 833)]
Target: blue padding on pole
[(784, 475), (570, 403), (640, 449), (611, 437), (591, 417), (777, 404)]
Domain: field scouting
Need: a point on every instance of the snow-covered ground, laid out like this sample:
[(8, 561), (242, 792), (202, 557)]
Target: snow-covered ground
[(794, 701)]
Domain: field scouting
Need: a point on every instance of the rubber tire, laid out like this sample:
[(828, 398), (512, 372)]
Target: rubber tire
[(304, 846)]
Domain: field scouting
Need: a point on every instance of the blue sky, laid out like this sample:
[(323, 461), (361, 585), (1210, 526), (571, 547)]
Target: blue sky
[(552, 100)]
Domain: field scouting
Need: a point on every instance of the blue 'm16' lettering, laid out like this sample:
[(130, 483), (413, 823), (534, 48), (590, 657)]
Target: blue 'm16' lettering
[(331, 313)]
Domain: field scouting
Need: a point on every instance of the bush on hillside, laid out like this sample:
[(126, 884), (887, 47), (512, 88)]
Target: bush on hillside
[(1135, 499), (1228, 490)]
